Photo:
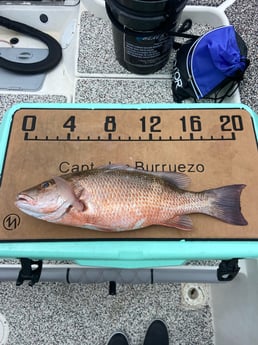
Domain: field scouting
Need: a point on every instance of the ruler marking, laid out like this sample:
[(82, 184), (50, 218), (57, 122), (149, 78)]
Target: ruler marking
[(180, 138), (145, 137)]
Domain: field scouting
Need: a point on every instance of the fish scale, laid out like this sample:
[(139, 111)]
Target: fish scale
[(124, 192)]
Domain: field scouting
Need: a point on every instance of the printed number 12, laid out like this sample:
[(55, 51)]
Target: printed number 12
[(154, 122)]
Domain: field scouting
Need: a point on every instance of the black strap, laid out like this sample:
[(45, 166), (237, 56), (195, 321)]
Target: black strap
[(228, 91), (54, 50)]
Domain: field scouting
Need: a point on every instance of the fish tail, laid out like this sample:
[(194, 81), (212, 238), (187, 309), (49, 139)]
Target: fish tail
[(225, 204)]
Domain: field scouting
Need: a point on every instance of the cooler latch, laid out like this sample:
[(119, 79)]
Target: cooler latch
[(30, 270), (228, 270)]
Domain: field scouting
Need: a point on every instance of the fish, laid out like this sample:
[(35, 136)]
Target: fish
[(121, 198)]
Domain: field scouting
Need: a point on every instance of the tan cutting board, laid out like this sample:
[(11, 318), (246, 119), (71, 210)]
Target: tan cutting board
[(215, 147)]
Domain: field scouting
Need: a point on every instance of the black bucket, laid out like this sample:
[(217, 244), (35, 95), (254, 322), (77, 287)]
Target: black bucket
[(142, 32)]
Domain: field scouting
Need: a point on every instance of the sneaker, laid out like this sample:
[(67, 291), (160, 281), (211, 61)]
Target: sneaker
[(118, 338), (157, 333)]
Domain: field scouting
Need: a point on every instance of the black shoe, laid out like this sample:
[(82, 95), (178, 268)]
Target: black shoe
[(157, 333), (118, 338)]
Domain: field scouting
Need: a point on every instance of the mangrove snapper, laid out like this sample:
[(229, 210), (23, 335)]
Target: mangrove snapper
[(120, 198)]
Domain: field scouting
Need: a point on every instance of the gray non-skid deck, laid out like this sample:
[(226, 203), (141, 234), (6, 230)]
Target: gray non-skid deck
[(59, 313), (55, 313)]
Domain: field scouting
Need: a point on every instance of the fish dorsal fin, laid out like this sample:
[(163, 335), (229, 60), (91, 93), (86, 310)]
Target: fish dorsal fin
[(180, 180), (115, 167), (67, 193)]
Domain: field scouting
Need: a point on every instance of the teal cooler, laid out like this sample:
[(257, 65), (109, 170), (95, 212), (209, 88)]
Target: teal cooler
[(214, 144)]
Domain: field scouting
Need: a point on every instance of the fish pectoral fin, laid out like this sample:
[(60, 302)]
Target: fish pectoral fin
[(79, 202), (67, 193), (79, 205), (182, 222)]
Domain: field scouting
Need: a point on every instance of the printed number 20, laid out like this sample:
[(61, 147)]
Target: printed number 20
[(229, 123)]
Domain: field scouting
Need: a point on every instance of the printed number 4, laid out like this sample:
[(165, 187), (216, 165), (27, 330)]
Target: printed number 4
[(70, 123)]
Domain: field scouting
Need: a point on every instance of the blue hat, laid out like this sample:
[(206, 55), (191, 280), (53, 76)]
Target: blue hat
[(213, 60)]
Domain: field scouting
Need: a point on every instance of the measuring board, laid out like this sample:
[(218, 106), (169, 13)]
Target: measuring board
[(214, 146)]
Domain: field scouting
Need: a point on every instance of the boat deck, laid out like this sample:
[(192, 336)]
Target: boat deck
[(62, 313)]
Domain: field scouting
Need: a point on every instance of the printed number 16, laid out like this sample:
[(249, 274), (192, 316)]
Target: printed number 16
[(194, 124)]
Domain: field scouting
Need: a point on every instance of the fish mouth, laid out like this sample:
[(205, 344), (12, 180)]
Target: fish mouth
[(24, 199)]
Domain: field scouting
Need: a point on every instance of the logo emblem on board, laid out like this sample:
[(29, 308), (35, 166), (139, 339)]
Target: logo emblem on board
[(11, 221)]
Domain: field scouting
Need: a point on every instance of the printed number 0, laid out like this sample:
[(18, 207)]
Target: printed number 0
[(29, 123)]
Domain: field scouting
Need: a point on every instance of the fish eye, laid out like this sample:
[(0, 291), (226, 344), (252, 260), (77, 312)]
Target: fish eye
[(45, 184)]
